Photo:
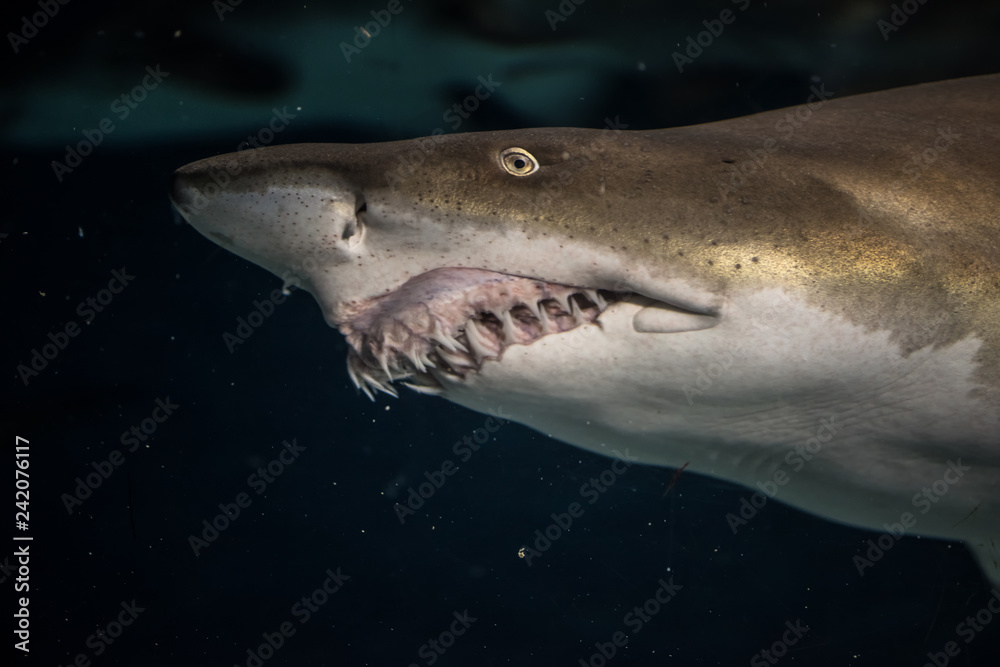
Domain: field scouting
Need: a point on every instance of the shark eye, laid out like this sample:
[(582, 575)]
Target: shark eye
[(518, 162)]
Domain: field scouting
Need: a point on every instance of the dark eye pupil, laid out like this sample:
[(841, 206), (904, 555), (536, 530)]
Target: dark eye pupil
[(519, 163)]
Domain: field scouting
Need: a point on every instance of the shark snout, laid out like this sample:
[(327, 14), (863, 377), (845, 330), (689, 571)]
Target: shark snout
[(182, 191), (193, 188), (305, 224)]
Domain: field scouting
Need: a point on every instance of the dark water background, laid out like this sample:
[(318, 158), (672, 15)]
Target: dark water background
[(229, 66)]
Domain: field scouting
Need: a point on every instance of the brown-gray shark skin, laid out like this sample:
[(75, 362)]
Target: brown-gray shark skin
[(805, 301)]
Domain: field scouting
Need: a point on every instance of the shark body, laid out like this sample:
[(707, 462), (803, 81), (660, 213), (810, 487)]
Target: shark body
[(804, 301)]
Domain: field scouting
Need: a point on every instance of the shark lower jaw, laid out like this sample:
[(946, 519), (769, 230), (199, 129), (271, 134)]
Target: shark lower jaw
[(443, 325)]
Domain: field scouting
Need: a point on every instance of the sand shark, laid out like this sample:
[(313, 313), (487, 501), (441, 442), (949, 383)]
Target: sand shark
[(805, 302)]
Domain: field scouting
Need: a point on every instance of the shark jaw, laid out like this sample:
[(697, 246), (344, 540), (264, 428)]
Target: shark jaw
[(442, 325)]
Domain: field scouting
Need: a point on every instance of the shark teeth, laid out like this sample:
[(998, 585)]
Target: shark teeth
[(423, 388), (444, 324), (365, 381), (383, 360), (509, 328), (543, 318), (446, 341), (596, 299), (480, 340), (533, 307)]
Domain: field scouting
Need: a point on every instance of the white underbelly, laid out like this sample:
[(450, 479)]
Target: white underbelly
[(778, 398)]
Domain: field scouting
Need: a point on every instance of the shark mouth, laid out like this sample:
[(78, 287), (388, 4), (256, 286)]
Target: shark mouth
[(444, 324)]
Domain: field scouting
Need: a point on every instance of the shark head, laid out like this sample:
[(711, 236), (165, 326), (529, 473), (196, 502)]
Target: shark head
[(787, 296), (432, 284)]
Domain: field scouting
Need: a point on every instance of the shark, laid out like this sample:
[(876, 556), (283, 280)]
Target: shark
[(804, 302)]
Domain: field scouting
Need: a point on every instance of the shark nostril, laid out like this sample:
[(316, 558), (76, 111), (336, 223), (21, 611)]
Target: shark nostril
[(352, 227)]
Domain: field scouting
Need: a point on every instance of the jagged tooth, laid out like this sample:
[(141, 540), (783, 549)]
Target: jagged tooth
[(455, 360), (459, 346), (596, 298), (366, 385), (478, 341), (368, 392), (416, 360), (563, 302), (423, 389), (533, 307), (447, 340), (388, 389), (426, 360), (509, 329), (442, 338), (575, 312), (351, 374), (543, 316), (443, 342), (383, 360), (548, 324), (361, 381)]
